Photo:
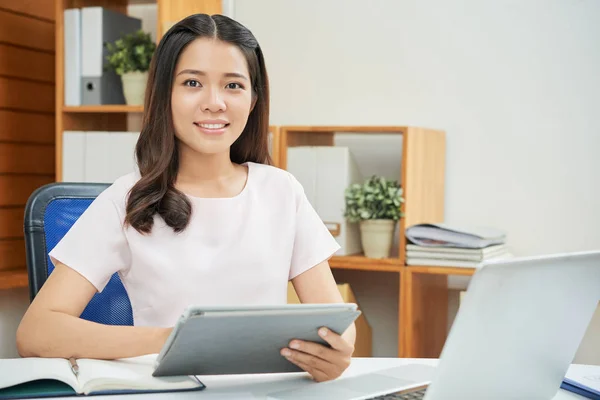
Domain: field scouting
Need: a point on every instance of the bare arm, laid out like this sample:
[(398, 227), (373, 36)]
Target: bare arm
[(317, 285), (51, 327)]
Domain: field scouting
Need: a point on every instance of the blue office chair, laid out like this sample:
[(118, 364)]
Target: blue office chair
[(50, 212)]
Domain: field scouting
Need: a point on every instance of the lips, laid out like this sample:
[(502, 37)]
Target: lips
[(213, 128)]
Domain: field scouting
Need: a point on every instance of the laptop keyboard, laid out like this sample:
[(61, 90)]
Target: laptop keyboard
[(420, 394)]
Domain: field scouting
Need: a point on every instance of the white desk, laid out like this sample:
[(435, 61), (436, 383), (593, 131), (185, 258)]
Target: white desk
[(245, 387)]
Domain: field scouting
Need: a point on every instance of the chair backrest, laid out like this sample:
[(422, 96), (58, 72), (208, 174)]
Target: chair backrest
[(49, 214)]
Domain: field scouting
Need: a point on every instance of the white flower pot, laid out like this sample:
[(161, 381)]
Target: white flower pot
[(377, 236), (134, 87)]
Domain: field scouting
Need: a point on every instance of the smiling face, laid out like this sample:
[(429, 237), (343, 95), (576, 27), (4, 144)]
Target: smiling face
[(211, 97)]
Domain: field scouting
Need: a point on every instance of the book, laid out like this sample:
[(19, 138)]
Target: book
[(452, 254), (436, 262), (578, 379), (482, 252), (51, 377), (445, 235)]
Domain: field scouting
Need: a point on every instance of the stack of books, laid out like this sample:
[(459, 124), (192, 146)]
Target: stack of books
[(443, 245)]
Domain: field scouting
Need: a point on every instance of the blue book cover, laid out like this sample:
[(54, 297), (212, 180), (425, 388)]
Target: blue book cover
[(583, 380)]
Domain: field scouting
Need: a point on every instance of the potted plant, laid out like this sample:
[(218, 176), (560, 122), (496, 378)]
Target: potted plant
[(130, 58), (375, 205)]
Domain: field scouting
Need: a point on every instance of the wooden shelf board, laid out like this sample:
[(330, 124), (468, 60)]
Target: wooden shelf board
[(442, 270), (13, 279), (109, 108), (360, 262), (356, 129)]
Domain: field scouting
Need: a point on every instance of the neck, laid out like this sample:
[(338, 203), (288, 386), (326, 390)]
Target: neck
[(204, 167)]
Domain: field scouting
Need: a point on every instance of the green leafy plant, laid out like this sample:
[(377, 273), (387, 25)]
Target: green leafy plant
[(130, 53), (376, 198)]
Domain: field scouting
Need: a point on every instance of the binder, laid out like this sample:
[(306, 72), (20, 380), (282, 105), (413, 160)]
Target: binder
[(99, 25), (325, 172), (97, 157), (73, 163), (72, 60), (121, 148)]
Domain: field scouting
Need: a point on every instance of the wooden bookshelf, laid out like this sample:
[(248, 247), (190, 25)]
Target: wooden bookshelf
[(362, 263), (422, 166), (112, 117), (116, 108), (424, 309), (275, 139), (109, 117), (422, 178), (442, 270), (27, 84)]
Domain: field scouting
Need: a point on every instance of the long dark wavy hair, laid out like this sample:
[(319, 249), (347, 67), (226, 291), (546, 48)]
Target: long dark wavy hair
[(157, 152)]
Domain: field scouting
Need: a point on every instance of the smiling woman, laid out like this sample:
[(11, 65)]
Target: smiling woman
[(205, 221), (212, 73)]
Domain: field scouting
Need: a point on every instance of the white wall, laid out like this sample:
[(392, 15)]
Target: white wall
[(514, 83)]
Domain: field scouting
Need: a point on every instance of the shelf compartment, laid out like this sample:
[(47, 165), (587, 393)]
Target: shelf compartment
[(442, 270), (362, 263)]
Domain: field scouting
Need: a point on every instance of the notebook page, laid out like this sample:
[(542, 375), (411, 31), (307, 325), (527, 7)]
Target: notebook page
[(21, 370), (127, 374)]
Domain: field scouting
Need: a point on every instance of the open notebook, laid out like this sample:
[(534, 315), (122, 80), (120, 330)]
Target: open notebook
[(46, 377)]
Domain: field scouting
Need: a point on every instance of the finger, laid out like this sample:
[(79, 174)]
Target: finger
[(336, 341), (316, 373), (316, 349), (310, 360)]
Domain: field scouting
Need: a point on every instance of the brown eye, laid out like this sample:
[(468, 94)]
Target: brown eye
[(192, 83), (234, 85)]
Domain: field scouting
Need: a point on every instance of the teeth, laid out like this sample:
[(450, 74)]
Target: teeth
[(212, 126)]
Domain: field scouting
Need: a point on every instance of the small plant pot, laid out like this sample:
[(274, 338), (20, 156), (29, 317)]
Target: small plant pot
[(377, 236), (134, 87)]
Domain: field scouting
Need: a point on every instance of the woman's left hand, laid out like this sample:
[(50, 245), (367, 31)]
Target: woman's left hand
[(321, 362)]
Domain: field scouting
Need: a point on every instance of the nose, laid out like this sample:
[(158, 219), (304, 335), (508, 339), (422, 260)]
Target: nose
[(213, 101)]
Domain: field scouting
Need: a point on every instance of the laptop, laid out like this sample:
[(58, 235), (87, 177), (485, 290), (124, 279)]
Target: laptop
[(515, 335)]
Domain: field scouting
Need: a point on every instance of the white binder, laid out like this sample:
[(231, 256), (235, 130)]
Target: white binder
[(73, 160), (72, 54), (99, 25), (99, 157), (325, 172), (122, 154)]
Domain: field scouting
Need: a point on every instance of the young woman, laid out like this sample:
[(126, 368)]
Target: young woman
[(206, 220)]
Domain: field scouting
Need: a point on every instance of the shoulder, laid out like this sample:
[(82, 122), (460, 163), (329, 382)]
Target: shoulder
[(118, 191), (274, 178)]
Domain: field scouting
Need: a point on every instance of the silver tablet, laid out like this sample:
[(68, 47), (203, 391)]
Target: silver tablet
[(246, 339)]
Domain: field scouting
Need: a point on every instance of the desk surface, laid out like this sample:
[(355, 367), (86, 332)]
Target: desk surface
[(245, 387)]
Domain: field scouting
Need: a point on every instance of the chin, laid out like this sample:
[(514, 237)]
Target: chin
[(211, 150)]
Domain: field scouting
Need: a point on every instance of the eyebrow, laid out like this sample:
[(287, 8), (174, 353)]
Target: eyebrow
[(202, 73)]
